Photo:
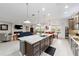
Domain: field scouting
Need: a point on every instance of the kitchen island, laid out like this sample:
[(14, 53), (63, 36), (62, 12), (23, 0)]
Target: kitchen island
[(34, 45)]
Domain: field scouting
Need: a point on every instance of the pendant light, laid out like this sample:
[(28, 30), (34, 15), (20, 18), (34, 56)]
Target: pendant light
[(27, 21), (38, 23)]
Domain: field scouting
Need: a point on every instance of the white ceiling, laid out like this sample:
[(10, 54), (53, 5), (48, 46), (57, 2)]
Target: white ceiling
[(17, 12)]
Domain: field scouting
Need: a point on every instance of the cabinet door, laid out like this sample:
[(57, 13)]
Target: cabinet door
[(76, 19), (37, 53), (71, 24), (42, 45), (28, 49), (36, 49), (76, 50), (50, 40), (46, 43)]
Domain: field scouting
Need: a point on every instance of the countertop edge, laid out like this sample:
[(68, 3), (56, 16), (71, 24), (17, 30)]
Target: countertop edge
[(74, 40)]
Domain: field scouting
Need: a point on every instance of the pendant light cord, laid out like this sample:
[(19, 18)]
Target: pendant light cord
[(38, 17), (27, 9)]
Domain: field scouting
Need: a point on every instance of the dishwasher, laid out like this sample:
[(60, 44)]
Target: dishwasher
[(77, 51)]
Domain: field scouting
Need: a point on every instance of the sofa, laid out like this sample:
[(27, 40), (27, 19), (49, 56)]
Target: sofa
[(22, 34), (25, 34)]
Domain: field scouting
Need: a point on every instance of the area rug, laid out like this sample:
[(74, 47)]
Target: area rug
[(50, 50)]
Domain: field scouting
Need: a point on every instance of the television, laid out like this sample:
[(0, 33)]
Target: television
[(18, 26)]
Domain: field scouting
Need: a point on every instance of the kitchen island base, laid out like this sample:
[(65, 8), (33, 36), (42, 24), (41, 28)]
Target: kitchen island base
[(37, 48)]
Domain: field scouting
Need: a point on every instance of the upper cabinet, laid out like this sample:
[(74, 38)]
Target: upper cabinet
[(76, 21), (71, 23)]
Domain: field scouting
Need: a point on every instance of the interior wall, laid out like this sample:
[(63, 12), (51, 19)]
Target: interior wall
[(61, 23), (11, 28)]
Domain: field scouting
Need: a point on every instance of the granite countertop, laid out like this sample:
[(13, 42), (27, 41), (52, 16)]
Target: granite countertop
[(34, 38), (75, 38)]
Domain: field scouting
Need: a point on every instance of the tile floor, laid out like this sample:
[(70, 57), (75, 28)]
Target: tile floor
[(9, 48), (62, 47), (12, 48)]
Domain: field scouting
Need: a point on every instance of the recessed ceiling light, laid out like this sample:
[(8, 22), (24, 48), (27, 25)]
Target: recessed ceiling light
[(43, 9), (66, 6), (27, 21), (49, 14)]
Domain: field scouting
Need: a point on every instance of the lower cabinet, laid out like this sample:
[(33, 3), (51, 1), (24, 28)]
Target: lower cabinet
[(50, 41), (37, 48), (42, 45), (74, 47), (76, 50), (32, 50), (46, 43)]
